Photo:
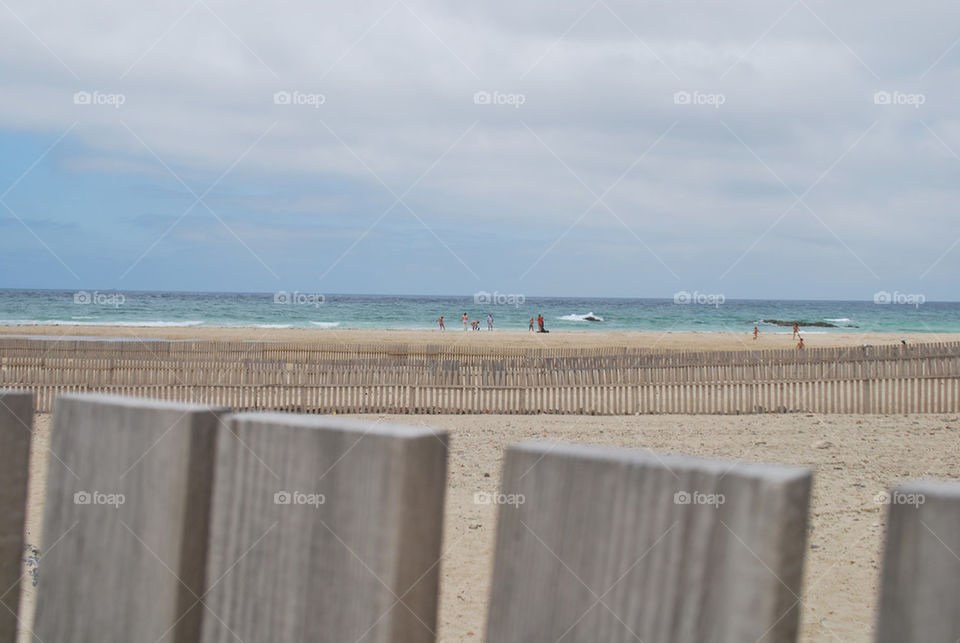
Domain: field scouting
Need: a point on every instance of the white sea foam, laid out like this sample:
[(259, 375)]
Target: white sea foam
[(330, 324), (842, 319), (588, 317), (272, 326)]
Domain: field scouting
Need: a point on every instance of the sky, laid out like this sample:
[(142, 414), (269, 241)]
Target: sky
[(778, 149)]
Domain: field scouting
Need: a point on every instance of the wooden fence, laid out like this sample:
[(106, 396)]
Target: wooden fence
[(403, 378), (186, 524)]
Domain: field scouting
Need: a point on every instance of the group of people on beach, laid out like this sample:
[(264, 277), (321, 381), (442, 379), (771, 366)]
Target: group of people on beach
[(475, 324), (796, 335)]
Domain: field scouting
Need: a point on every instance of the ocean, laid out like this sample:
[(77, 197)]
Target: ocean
[(895, 313)]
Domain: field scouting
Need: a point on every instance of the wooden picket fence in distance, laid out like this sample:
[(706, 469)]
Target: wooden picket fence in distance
[(403, 378)]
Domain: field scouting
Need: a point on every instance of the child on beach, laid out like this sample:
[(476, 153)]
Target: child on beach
[(475, 324), (442, 327), (800, 344), (796, 330), (530, 327), (465, 320), (489, 321), (756, 332)]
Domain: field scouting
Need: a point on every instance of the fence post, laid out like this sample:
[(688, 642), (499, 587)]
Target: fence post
[(16, 431), (921, 573), (325, 530), (609, 544), (125, 521)]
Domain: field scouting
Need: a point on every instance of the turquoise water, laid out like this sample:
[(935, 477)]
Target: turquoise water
[(311, 310)]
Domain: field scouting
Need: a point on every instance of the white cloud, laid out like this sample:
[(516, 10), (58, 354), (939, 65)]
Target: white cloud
[(398, 82)]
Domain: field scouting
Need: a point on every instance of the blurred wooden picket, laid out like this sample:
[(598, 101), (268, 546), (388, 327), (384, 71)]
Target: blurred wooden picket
[(16, 430), (325, 530), (173, 522), (921, 565), (600, 544), (128, 508)]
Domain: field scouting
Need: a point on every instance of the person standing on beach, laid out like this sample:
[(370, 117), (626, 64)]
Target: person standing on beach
[(756, 332), (465, 321), (489, 321), (796, 330), (442, 327), (530, 327), (540, 322)]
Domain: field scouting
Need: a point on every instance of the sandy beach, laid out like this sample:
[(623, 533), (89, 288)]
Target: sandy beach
[(854, 458), (813, 337)]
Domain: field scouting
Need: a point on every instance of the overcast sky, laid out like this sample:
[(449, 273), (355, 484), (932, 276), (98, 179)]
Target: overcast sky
[(775, 149)]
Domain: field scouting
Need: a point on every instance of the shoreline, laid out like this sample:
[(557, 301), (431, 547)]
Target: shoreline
[(676, 340)]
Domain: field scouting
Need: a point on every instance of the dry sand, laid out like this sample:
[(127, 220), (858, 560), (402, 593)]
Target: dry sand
[(509, 338), (854, 459)]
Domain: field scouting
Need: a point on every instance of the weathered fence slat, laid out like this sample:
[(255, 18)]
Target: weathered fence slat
[(921, 571), (125, 522), (325, 530), (16, 430), (598, 544)]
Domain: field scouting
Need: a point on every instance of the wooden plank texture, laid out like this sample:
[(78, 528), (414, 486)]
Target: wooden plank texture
[(599, 544), (921, 568), (125, 522), (326, 530), (16, 422)]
